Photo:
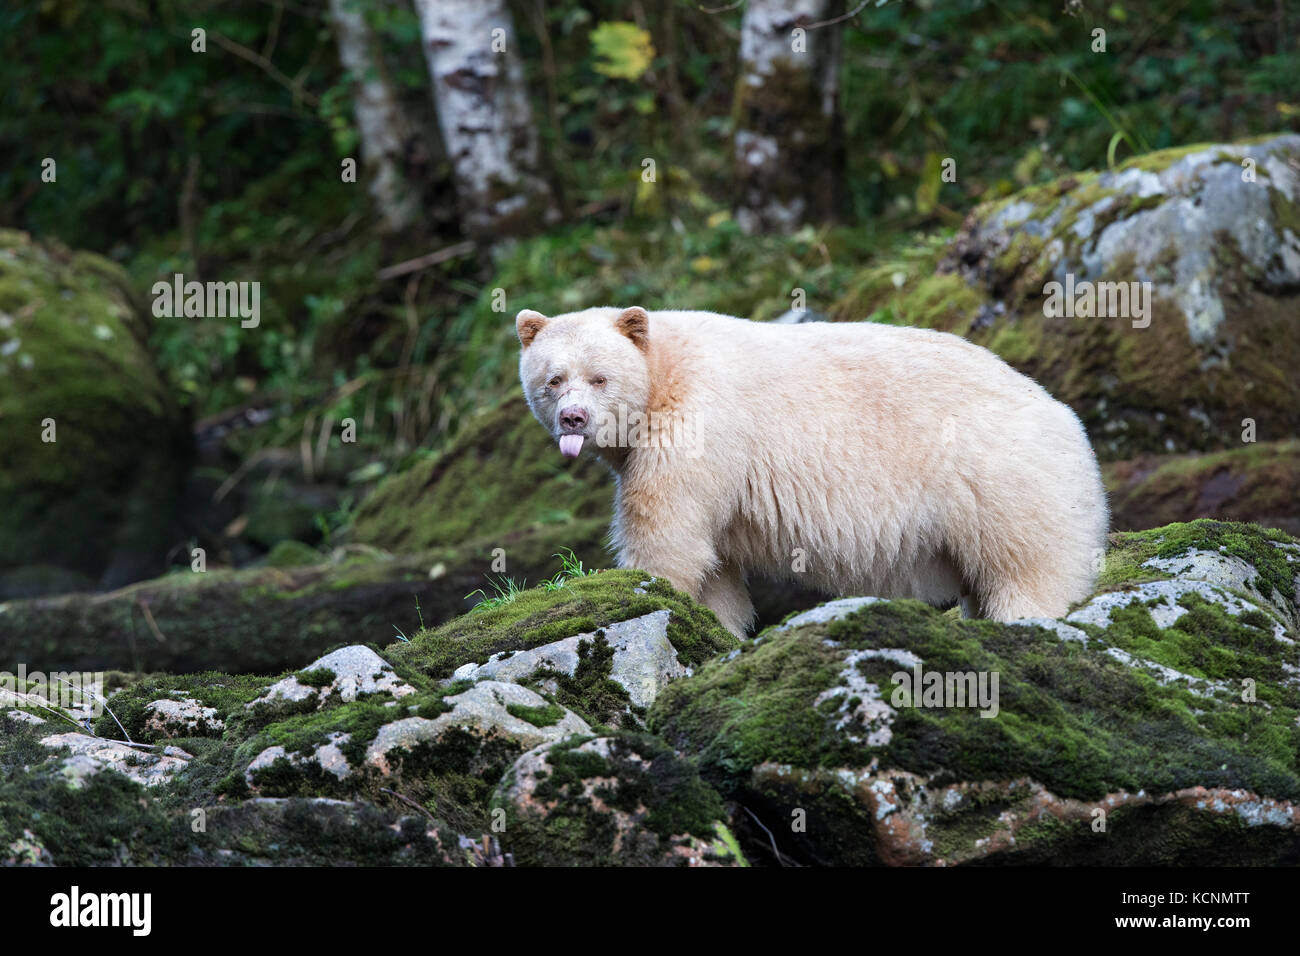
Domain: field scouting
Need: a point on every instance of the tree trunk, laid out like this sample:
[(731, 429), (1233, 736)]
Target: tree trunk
[(789, 138), (486, 121), (384, 127)]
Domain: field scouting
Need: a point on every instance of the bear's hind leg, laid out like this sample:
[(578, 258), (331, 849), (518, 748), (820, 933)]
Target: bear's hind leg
[(727, 596), (1010, 600), (1034, 582)]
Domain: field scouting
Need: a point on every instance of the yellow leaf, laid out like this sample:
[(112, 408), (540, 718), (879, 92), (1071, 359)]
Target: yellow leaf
[(623, 50)]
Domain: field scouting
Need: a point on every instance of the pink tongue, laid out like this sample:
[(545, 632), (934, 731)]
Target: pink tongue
[(570, 445)]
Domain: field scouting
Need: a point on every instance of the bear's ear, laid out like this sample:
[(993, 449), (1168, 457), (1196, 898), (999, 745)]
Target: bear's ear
[(528, 323), (635, 324)]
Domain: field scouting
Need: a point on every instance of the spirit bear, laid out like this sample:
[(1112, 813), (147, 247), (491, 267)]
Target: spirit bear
[(863, 458)]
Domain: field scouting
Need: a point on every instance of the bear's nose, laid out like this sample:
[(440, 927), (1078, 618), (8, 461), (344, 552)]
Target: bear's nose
[(573, 419)]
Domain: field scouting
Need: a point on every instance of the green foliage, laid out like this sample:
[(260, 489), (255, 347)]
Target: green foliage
[(118, 97), (993, 82), (570, 567)]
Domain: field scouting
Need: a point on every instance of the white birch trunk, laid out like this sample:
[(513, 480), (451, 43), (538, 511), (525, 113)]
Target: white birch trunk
[(788, 145), (381, 121), (485, 118)]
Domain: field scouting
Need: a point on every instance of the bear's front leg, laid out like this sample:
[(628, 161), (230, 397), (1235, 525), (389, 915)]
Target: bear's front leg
[(727, 596), (670, 541), (691, 565)]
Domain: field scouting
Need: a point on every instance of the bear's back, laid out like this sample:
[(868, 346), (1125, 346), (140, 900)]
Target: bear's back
[(756, 348)]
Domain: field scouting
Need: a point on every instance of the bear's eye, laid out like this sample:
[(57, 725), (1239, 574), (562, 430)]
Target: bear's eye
[(555, 381), (598, 381)]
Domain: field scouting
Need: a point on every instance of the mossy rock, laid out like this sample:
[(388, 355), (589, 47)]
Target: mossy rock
[(73, 349), (502, 477), (1258, 482), (1222, 252), (543, 615), (1179, 724), (220, 802), (623, 800), (442, 749), (1268, 559), (107, 819), (259, 620), (323, 749)]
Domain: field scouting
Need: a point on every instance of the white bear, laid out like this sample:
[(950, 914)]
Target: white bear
[(867, 459)]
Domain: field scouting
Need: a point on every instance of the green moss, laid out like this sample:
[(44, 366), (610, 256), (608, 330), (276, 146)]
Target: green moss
[(1162, 159), (1013, 344), (538, 616), (640, 778), (111, 820), (1286, 211), (904, 288), (225, 693), (545, 716), (105, 822), (320, 677), (590, 691), (454, 775), (302, 733), (1205, 642)]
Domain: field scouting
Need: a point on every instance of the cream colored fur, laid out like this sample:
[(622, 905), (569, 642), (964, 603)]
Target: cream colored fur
[(864, 459)]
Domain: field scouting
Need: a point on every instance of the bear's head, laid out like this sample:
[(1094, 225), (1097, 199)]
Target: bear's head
[(585, 373)]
